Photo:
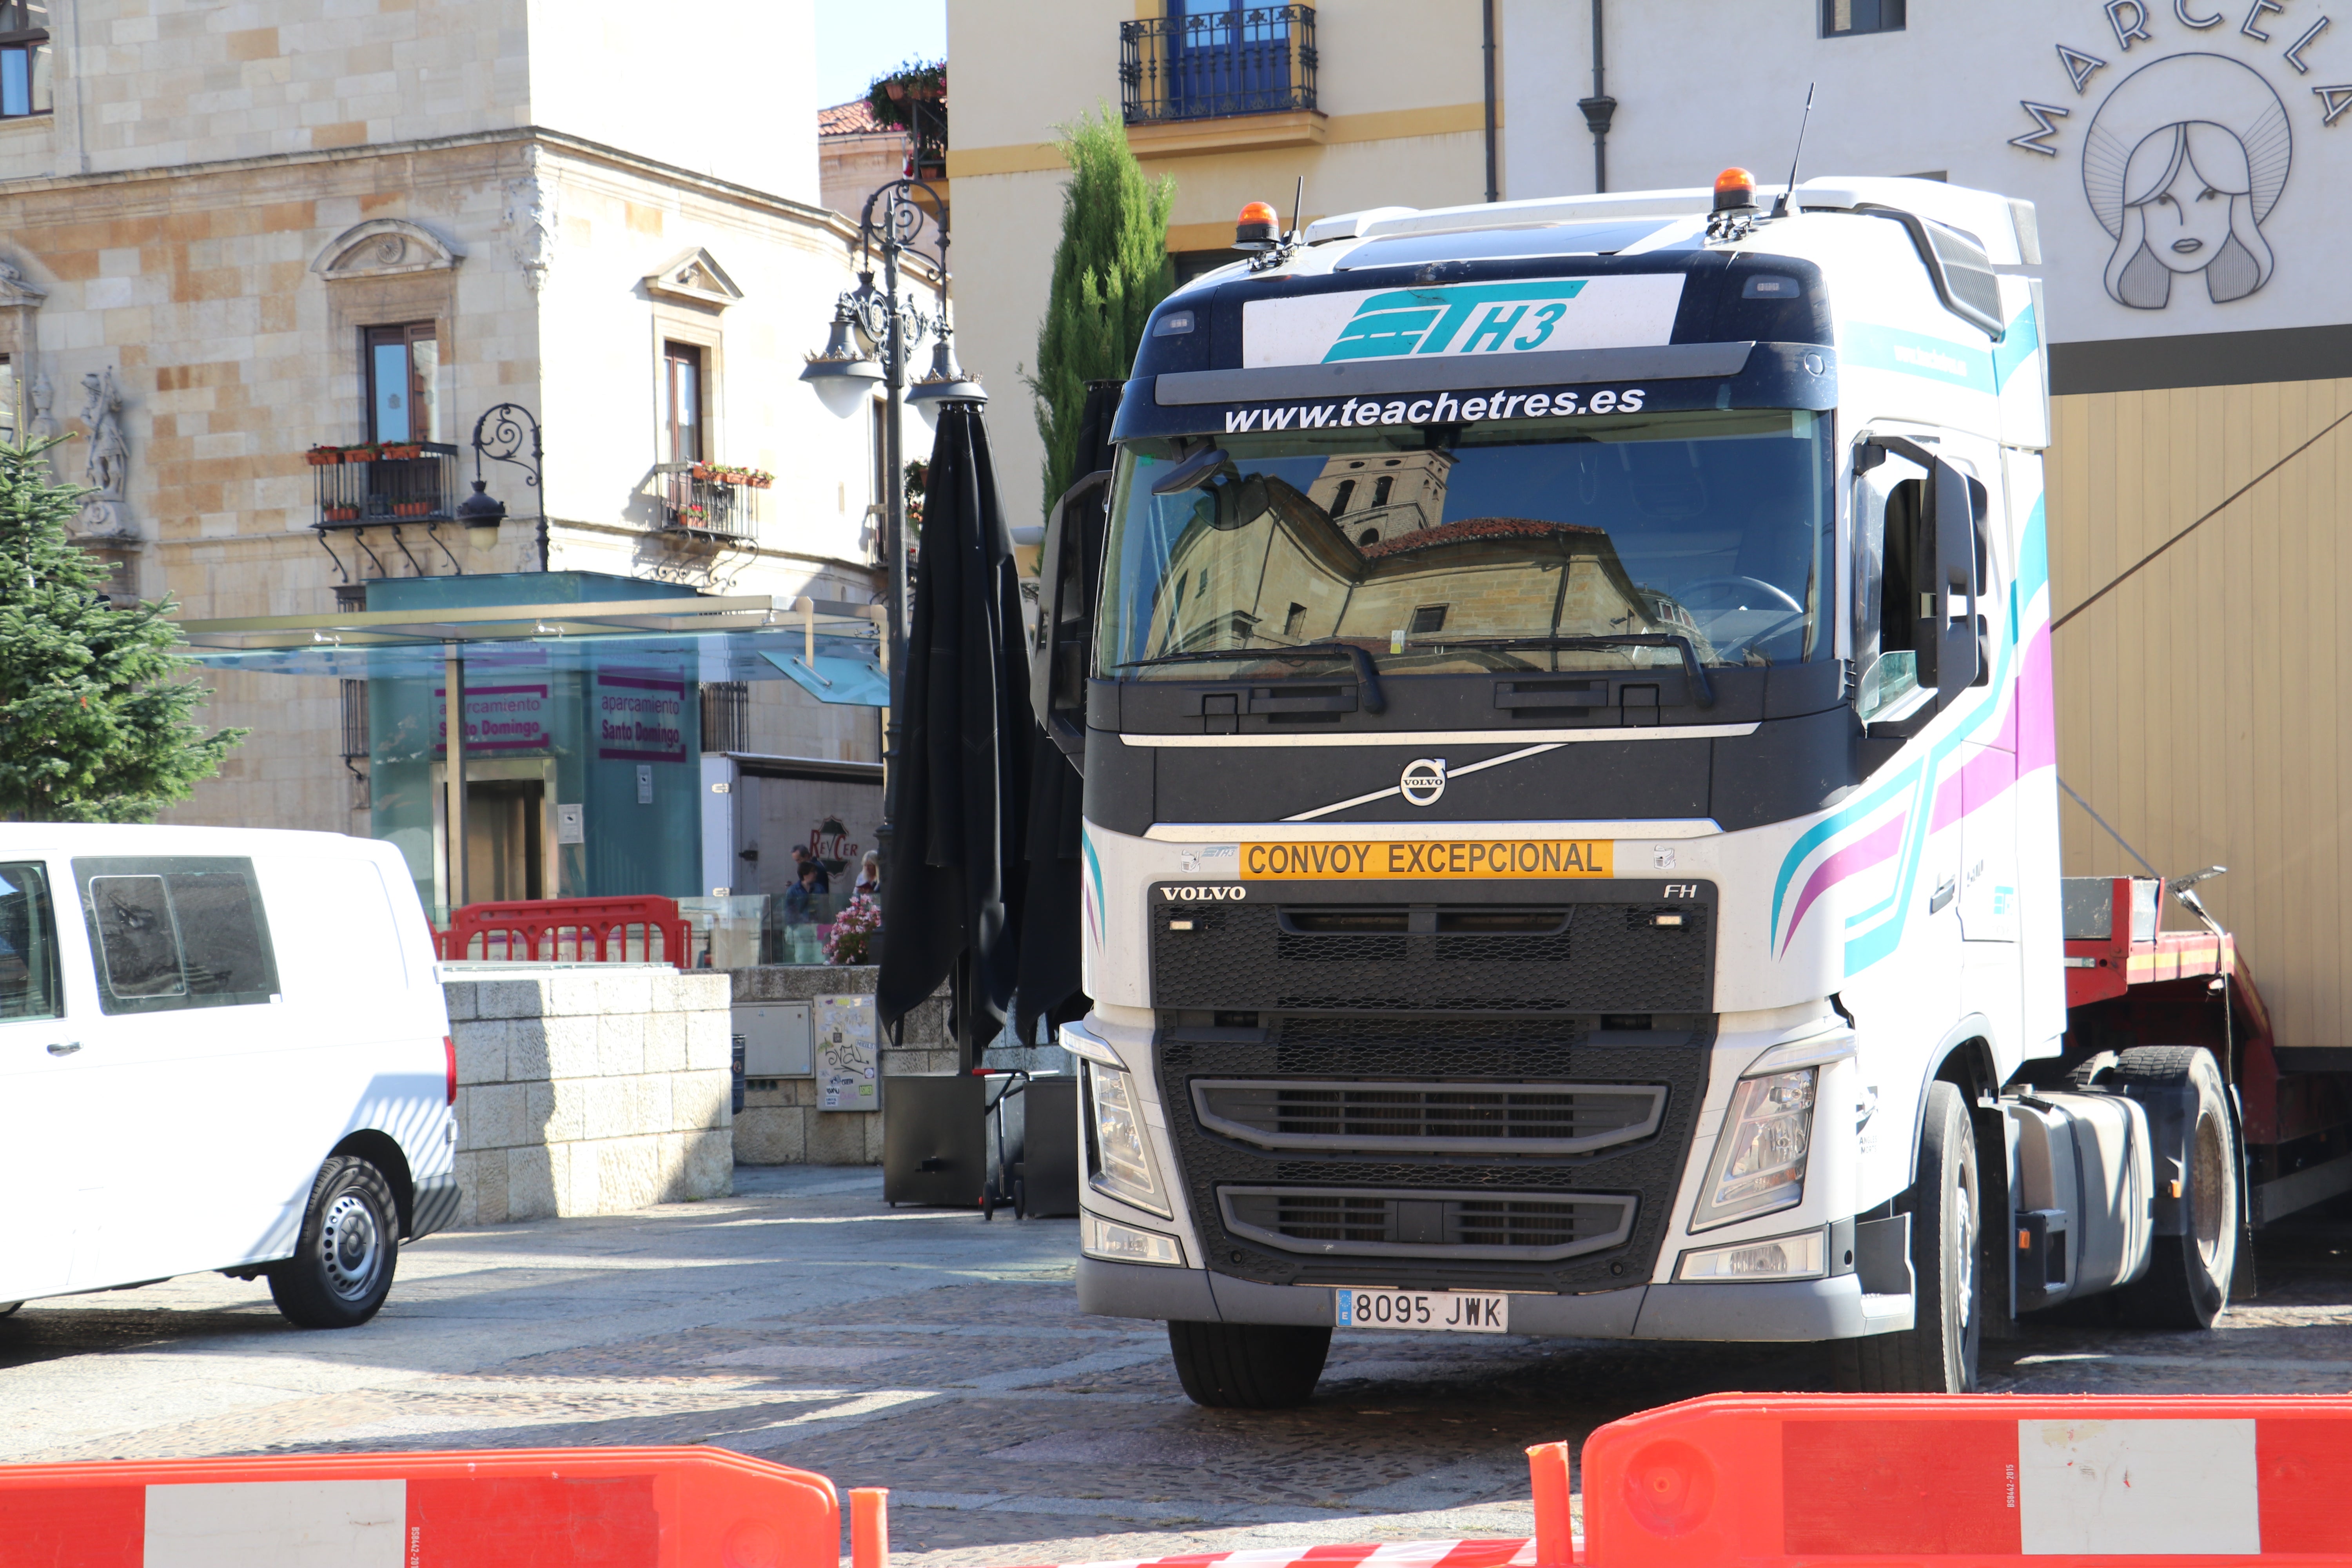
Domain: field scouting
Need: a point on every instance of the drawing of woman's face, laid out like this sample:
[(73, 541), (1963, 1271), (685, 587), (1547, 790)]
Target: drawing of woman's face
[(2189, 220)]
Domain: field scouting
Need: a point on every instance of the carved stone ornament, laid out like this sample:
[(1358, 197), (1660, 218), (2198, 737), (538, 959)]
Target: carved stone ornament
[(693, 276), (103, 516), (15, 290), (385, 248)]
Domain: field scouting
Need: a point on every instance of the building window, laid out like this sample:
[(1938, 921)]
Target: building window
[(403, 364), (1842, 17), (682, 405), (1207, 58), (24, 59)]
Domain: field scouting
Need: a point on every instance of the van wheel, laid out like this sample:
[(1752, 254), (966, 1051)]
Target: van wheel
[(1248, 1366), (1938, 1354), (2187, 1279), (341, 1268)]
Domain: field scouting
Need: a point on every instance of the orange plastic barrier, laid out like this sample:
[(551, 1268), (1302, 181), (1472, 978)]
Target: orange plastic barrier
[(548, 1508), (1764, 1481), (644, 929)]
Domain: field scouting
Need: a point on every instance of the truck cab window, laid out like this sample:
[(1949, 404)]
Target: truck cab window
[(1478, 545), (28, 946), (1887, 582)]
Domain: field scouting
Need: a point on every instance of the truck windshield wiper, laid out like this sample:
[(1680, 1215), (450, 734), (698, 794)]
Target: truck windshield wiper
[(1366, 671), (1702, 689)]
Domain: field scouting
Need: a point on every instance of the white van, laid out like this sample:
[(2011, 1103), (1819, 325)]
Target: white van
[(219, 1049)]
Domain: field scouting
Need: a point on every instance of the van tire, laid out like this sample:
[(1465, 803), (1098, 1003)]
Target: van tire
[(350, 1243), (1248, 1366), (1938, 1354), (2187, 1279)]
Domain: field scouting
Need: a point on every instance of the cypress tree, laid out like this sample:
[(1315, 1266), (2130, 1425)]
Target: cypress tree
[(92, 726), (1110, 269)]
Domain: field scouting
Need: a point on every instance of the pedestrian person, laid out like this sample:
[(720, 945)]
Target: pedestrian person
[(869, 876)]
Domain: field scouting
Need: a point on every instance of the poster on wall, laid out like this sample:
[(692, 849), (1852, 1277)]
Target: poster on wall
[(849, 1072), (497, 719), (640, 717)]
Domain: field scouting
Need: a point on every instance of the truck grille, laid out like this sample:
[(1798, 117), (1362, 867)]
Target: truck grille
[(1429, 1117), (1356, 1223), (1600, 957)]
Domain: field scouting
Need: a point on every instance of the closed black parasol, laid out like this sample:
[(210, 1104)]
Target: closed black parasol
[(953, 900)]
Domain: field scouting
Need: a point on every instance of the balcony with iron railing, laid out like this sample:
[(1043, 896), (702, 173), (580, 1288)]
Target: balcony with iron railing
[(1250, 61), (387, 483), (711, 501)]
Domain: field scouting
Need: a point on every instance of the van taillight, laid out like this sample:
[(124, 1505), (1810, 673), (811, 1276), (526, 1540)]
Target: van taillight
[(449, 1049)]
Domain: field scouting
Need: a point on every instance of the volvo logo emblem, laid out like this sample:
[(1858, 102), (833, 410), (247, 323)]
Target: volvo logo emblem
[(1424, 780)]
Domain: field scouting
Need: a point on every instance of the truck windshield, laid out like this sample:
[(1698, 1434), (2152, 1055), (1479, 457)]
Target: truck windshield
[(1456, 549)]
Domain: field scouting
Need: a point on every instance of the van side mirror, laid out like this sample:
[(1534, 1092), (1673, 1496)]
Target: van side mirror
[(1068, 566)]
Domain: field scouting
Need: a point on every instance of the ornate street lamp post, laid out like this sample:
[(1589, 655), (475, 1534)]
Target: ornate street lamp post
[(498, 435), (844, 375)]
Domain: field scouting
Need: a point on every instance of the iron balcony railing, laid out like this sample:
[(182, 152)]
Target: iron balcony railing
[(708, 502), (393, 483), (1249, 60)]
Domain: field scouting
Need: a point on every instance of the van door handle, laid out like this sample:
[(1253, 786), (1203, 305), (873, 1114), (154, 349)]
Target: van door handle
[(65, 1049)]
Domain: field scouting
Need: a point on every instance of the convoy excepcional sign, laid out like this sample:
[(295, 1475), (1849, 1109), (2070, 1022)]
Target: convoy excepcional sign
[(1529, 316), (1493, 859)]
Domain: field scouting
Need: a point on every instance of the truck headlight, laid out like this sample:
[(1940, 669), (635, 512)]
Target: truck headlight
[(1782, 1258), (1759, 1159), (1125, 1243), (1119, 1156)]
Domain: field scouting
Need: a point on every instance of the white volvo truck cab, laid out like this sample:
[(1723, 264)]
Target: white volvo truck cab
[(1570, 845)]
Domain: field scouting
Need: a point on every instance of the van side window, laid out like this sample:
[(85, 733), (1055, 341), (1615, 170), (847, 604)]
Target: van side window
[(176, 932), (28, 946)]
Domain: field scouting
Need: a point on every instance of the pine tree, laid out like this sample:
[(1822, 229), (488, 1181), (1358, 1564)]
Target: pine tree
[(1110, 269), (92, 726)]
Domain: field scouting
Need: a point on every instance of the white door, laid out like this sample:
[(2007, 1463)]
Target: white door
[(49, 1110), (188, 984)]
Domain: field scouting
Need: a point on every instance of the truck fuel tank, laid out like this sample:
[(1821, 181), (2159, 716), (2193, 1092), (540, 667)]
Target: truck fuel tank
[(2084, 1188)]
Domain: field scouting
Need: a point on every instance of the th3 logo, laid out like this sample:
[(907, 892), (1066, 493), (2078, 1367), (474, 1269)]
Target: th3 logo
[(1515, 318)]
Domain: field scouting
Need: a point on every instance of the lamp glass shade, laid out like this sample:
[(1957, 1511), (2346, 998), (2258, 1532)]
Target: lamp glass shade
[(845, 386), (481, 513)]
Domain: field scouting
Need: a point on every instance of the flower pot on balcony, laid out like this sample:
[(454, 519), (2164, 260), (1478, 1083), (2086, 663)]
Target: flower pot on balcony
[(391, 454), (322, 457), (358, 454)]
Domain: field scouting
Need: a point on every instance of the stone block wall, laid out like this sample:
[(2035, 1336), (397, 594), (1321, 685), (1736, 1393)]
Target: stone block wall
[(589, 1088), (781, 1125)]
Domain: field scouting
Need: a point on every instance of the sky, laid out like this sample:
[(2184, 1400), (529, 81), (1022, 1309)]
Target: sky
[(857, 40)]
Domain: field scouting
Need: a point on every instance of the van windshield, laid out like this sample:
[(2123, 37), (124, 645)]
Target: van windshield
[(1461, 548)]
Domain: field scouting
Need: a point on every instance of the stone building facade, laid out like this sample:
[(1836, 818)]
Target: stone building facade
[(238, 232)]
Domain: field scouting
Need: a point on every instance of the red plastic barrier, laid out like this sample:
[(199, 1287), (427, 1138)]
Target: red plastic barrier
[(548, 1508), (644, 929), (1963, 1483)]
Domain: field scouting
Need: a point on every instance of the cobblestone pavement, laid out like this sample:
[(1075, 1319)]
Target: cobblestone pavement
[(803, 1322)]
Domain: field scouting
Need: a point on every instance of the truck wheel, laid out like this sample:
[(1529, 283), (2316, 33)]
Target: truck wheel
[(1248, 1366), (2187, 1279), (1938, 1354), (349, 1242)]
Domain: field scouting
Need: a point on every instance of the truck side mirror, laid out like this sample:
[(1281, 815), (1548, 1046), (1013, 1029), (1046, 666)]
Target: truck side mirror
[(1950, 655), (1067, 567)]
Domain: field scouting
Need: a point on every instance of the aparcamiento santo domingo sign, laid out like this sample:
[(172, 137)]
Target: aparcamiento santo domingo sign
[(2182, 120)]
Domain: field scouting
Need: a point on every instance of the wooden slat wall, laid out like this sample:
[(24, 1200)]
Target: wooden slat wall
[(2200, 704)]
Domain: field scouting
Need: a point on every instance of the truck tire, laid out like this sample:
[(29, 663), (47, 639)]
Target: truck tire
[(2187, 1279), (1247, 1366), (1937, 1354), (349, 1246)]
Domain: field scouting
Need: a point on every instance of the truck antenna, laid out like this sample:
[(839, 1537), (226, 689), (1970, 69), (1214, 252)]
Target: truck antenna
[(1298, 204), (1780, 207)]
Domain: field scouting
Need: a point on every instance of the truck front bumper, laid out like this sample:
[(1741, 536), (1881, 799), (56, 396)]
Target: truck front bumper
[(1779, 1310)]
